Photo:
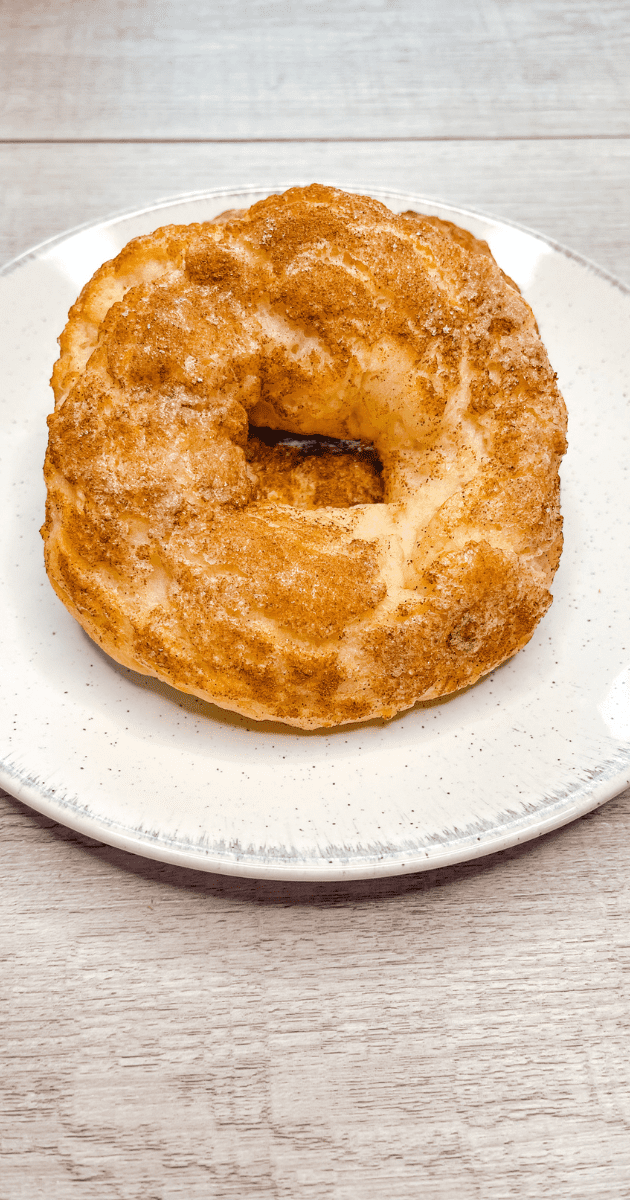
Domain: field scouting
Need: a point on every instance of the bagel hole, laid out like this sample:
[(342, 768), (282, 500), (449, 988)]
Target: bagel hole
[(313, 471)]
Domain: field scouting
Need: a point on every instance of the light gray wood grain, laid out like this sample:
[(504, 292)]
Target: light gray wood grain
[(265, 68), (170, 1034), (575, 191)]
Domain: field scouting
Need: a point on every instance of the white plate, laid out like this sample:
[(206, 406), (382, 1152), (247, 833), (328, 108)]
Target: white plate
[(131, 762)]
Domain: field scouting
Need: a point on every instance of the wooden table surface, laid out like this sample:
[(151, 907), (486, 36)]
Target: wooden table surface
[(457, 1034)]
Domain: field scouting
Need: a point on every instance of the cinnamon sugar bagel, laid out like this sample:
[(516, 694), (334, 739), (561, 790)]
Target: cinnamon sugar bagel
[(407, 558)]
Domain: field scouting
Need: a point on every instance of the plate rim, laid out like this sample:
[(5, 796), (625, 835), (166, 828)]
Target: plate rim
[(23, 787), (176, 855), (35, 250)]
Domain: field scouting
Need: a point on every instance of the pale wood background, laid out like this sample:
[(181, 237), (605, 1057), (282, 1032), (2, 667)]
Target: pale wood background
[(461, 1034)]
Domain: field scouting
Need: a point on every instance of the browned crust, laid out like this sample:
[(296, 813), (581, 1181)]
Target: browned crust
[(266, 585)]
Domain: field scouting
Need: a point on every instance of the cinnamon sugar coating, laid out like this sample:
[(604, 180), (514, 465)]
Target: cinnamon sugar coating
[(313, 591)]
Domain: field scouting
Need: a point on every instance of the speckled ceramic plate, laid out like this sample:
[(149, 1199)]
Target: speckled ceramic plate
[(127, 760)]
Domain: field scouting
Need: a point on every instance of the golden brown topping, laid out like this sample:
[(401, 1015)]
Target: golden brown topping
[(313, 587)]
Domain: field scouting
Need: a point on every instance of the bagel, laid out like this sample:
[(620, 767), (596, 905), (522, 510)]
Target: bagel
[(409, 557)]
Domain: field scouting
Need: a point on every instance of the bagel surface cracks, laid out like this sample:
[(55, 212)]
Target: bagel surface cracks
[(311, 592)]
